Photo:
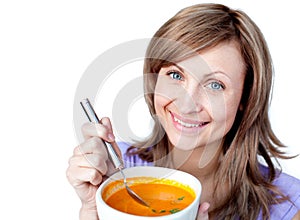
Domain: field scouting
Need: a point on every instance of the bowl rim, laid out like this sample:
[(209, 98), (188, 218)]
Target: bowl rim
[(165, 169)]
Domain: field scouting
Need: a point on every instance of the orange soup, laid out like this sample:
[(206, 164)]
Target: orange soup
[(164, 196)]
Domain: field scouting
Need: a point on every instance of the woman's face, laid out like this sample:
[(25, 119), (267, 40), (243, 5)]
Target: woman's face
[(196, 100)]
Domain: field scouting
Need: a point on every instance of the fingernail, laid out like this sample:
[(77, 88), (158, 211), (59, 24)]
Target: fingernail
[(111, 137), (206, 206)]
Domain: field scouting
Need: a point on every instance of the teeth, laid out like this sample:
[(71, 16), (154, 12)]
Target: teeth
[(188, 125)]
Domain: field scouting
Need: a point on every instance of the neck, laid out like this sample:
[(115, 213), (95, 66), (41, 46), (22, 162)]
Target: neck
[(201, 162)]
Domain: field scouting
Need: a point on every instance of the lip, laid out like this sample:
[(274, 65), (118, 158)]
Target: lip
[(187, 125)]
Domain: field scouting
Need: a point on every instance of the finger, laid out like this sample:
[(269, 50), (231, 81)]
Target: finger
[(78, 176), (106, 123), (203, 211), (96, 146), (89, 161), (93, 145), (103, 131)]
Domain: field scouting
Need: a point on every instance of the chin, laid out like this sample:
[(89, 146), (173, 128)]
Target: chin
[(185, 143)]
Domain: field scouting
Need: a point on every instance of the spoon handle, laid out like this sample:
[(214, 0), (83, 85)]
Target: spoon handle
[(92, 116)]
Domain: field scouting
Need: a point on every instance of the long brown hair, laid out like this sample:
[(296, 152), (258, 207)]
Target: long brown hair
[(200, 27)]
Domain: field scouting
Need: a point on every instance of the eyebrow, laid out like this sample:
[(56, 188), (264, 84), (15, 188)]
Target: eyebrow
[(177, 66), (218, 72), (206, 74)]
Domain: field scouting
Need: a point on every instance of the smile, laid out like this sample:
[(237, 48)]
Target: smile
[(187, 123)]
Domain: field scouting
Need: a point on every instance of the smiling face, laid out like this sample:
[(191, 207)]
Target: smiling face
[(196, 100)]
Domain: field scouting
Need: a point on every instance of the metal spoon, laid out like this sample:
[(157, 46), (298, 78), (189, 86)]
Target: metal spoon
[(92, 116), (135, 196)]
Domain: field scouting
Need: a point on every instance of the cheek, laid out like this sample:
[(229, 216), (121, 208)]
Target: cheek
[(158, 103), (230, 117), (222, 109), (164, 93), (166, 90), (228, 114)]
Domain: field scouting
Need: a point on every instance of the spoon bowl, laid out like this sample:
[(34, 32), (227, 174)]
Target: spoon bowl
[(135, 196)]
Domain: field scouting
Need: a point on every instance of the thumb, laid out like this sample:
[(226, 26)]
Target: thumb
[(203, 211)]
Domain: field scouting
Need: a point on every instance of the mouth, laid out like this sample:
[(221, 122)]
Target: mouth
[(187, 123)]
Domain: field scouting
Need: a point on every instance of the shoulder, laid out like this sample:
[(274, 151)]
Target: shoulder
[(289, 186), (123, 147), (133, 160)]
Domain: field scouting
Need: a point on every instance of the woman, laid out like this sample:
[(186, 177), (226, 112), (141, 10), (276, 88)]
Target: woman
[(208, 77)]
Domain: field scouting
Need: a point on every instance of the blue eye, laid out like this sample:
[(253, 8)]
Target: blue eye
[(216, 86), (175, 75)]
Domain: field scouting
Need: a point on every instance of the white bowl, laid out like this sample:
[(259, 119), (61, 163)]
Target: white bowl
[(105, 212)]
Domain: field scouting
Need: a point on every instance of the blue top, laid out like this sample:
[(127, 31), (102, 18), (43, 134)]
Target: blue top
[(288, 185)]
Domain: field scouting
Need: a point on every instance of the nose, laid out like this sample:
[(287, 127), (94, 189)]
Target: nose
[(191, 99)]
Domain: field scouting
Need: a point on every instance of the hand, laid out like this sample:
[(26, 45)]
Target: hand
[(203, 211), (89, 164)]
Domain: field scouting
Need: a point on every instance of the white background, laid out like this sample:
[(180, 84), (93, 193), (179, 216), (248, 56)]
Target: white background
[(45, 47)]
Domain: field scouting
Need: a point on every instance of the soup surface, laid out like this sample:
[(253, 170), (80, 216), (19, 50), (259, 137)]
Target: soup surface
[(164, 196)]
